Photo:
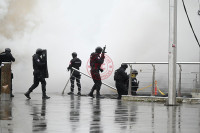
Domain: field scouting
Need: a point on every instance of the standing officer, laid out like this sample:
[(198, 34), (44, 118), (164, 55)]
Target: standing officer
[(7, 57), (95, 63), (121, 79), (76, 63), (39, 67)]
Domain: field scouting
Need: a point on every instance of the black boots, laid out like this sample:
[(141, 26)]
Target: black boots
[(27, 94), (71, 93), (79, 93), (92, 91), (45, 97), (98, 95), (91, 95)]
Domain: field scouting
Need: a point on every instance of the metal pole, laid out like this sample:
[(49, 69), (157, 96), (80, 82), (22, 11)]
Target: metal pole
[(199, 70), (130, 81), (172, 52), (179, 87), (153, 81), (196, 82), (91, 77), (67, 82)]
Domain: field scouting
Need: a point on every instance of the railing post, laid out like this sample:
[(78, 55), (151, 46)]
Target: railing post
[(196, 82), (153, 80), (179, 87)]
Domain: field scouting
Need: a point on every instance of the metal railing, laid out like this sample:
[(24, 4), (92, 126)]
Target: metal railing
[(153, 74)]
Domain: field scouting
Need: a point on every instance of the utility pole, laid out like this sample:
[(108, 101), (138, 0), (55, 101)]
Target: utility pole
[(172, 57), (198, 86)]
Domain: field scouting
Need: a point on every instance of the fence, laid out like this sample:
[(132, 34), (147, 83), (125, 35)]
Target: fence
[(147, 79)]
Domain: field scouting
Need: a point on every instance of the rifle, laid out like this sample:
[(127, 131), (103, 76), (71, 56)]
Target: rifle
[(102, 56), (103, 51)]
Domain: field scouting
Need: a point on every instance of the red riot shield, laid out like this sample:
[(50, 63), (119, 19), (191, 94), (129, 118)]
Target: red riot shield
[(44, 59)]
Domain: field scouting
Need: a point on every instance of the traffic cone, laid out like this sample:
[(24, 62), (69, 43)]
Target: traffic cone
[(155, 92)]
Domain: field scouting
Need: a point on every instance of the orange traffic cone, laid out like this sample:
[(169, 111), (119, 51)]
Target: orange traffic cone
[(155, 92)]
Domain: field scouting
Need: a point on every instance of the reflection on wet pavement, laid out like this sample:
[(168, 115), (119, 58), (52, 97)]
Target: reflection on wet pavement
[(95, 122), (38, 112), (75, 114)]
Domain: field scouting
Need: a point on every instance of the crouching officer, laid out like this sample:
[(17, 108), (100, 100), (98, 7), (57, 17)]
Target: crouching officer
[(40, 67), (134, 82), (7, 57), (121, 79), (76, 63)]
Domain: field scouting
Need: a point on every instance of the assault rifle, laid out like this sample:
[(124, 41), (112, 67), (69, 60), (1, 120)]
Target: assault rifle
[(103, 51), (103, 56)]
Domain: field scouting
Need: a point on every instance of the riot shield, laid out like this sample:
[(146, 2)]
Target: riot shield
[(44, 59)]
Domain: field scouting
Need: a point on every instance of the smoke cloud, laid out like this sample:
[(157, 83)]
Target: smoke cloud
[(135, 31), (16, 17)]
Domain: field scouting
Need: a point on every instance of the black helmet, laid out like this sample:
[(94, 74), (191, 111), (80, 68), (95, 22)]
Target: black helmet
[(8, 50), (135, 72), (74, 54), (98, 50), (124, 66), (39, 51)]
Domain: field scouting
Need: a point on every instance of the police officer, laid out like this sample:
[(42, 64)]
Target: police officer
[(134, 82), (7, 57), (95, 63), (121, 79), (38, 66), (76, 63)]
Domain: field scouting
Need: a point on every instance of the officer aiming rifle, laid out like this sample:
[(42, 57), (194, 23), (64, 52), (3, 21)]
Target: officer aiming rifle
[(95, 63)]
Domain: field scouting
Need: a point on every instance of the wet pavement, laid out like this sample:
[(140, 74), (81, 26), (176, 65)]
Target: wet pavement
[(74, 114)]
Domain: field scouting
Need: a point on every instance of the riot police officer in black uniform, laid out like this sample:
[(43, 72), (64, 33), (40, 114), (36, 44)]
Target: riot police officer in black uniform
[(76, 63), (121, 79), (7, 57), (39, 76), (95, 63), (134, 82)]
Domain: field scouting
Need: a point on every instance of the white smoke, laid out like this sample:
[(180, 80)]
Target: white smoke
[(133, 30)]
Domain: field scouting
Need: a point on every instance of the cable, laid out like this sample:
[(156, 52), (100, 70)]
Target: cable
[(199, 8), (190, 23)]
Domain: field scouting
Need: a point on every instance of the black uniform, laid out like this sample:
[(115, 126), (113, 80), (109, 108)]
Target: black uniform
[(95, 62), (39, 76), (7, 57), (134, 86), (121, 79), (76, 63)]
